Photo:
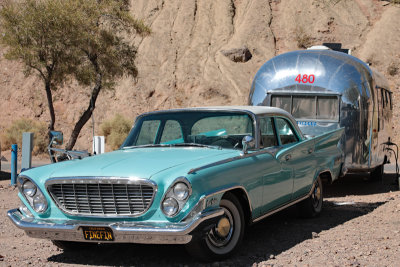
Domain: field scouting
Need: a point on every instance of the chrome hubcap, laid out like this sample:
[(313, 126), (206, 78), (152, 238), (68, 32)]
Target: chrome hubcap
[(223, 227), (222, 233), (316, 196)]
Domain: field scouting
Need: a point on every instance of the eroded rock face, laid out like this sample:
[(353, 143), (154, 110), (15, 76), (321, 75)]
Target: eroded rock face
[(241, 54), (188, 59)]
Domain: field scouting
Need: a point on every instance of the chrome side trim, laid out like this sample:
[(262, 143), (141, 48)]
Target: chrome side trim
[(202, 203), (124, 232), (230, 189), (100, 180), (270, 151), (285, 206)]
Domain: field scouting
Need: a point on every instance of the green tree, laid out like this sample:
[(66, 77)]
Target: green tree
[(64, 40)]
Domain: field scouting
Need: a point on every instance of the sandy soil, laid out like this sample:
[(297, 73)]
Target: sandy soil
[(359, 226)]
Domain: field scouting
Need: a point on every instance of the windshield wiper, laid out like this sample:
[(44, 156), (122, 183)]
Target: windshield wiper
[(148, 145), (173, 145), (195, 144)]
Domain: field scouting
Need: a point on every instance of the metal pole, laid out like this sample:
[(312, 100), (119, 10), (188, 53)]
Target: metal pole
[(14, 160)]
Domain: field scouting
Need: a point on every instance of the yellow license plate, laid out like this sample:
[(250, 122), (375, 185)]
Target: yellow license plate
[(97, 233)]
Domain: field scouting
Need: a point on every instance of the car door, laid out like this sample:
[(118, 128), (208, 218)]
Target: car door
[(296, 156), (277, 181)]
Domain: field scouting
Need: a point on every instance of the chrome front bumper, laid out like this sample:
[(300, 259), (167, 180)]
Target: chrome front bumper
[(124, 231)]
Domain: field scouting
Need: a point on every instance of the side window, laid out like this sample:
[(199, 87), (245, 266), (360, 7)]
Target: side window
[(285, 131), (148, 132), (268, 137), (172, 133)]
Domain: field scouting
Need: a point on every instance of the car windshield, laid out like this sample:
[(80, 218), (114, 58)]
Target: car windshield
[(191, 128)]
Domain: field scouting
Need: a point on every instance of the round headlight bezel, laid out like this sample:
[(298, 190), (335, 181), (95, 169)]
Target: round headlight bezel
[(32, 194), (180, 190)]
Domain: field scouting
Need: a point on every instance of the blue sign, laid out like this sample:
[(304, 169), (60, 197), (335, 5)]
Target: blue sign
[(307, 123)]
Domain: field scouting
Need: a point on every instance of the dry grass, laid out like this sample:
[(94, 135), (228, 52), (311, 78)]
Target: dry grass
[(115, 131), (13, 135)]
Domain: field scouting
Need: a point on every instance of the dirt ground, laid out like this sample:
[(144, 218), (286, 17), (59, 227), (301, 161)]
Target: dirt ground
[(359, 226)]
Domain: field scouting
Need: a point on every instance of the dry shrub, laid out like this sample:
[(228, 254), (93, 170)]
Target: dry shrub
[(393, 69), (303, 39), (13, 135), (115, 131)]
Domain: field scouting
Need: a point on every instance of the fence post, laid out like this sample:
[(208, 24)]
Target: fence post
[(14, 161), (27, 147)]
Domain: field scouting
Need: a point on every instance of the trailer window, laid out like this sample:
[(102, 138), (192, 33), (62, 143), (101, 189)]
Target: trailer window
[(308, 107), (283, 102), (327, 108), (303, 107)]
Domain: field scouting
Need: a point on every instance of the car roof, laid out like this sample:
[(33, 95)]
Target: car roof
[(256, 110)]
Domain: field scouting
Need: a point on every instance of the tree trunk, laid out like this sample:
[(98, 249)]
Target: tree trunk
[(50, 127), (87, 114), (51, 107)]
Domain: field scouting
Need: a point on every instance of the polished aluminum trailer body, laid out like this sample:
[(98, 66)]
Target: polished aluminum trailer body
[(333, 90)]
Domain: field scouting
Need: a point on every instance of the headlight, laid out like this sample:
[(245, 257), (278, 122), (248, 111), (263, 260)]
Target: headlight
[(170, 206), (29, 189), (181, 191), (176, 196), (32, 194), (39, 203)]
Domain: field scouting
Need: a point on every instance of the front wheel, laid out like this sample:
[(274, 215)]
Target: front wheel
[(225, 237), (312, 206)]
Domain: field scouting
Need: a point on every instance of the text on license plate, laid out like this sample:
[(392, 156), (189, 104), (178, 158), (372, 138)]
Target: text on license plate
[(97, 233)]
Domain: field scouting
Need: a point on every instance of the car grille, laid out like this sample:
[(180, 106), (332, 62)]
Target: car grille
[(102, 197)]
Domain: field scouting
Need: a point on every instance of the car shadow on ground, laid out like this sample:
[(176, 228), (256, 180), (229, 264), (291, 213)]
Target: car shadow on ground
[(271, 236)]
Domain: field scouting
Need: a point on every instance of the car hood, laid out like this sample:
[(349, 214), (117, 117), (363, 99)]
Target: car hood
[(139, 162)]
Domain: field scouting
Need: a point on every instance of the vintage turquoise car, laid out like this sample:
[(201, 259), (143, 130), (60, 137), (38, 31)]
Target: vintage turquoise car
[(192, 176)]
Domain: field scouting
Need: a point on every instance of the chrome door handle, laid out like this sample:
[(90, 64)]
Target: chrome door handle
[(288, 157)]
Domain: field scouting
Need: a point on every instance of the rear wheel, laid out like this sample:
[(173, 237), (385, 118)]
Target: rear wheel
[(225, 237), (312, 206)]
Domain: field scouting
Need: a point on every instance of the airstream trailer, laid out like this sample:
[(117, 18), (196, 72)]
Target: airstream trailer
[(325, 90)]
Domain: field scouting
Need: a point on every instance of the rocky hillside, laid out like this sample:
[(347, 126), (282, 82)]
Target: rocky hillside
[(186, 61)]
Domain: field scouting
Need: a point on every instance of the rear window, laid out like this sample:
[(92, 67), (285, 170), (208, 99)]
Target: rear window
[(308, 107)]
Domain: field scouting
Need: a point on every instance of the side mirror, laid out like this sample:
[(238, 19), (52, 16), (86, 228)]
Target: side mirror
[(56, 137), (248, 142)]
